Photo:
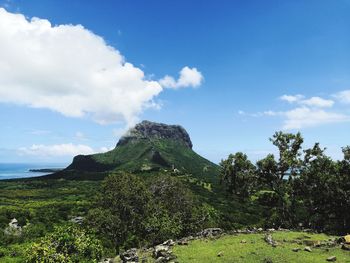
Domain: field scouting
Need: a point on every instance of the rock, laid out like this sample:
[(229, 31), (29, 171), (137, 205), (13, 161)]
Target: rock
[(159, 249), (152, 130), (260, 229), (162, 253), (243, 241), (220, 254), (347, 239), (345, 247), (13, 228), (77, 220), (307, 249), (169, 242), (332, 259), (271, 230), (210, 232), (129, 256), (182, 242), (296, 249), (269, 240), (161, 260)]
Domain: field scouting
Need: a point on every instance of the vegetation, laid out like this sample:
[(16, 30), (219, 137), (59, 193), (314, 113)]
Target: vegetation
[(300, 188), (130, 213), (158, 190), (67, 244)]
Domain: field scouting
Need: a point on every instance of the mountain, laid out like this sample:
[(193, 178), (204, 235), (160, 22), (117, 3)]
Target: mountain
[(147, 147)]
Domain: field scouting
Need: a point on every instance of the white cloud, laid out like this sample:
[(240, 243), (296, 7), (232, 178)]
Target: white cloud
[(318, 102), (189, 77), (56, 150), (260, 114), (309, 113), (343, 96), (312, 102), (71, 70), (303, 117), (60, 150), (292, 98)]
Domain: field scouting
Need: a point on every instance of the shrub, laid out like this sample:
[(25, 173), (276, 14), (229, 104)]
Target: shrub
[(67, 244)]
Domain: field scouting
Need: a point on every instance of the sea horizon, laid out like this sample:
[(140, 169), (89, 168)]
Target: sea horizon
[(17, 170)]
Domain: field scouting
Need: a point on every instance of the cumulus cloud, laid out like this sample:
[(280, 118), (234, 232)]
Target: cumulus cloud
[(318, 102), (308, 112), (68, 149), (303, 117), (292, 98), (312, 102), (189, 77), (343, 96), (59, 150), (71, 70)]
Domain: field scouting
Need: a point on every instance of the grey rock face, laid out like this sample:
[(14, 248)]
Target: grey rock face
[(130, 256), (153, 130), (210, 232)]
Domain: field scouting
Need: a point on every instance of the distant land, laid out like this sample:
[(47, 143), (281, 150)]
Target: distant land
[(46, 170)]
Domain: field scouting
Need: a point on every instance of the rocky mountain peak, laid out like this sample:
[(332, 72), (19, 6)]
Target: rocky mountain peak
[(153, 130)]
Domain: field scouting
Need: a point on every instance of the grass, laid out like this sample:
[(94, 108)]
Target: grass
[(252, 248)]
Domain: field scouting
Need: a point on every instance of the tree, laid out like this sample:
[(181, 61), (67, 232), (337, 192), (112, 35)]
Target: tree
[(289, 149), (175, 210), (314, 189), (277, 175), (237, 172), (122, 206)]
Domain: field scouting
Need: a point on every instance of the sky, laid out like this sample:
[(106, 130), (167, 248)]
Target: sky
[(75, 75)]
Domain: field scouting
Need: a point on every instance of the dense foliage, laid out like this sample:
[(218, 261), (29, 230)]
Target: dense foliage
[(67, 244), (130, 212), (299, 188)]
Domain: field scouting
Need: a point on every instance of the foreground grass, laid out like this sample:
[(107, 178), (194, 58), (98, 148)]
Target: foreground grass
[(253, 248)]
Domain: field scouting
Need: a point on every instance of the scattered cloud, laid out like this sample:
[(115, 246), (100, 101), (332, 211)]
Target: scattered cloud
[(59, 150), (260, 114), (343, 96), (317, 102), (189, 77), (70, 70), (303, 117), (68, 149), (292, 98), (312, 102), (309, 112)]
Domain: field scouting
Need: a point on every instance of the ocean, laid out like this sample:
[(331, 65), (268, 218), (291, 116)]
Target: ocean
[(21, 170)]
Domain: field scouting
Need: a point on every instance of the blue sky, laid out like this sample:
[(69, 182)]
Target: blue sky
[(237, 72)]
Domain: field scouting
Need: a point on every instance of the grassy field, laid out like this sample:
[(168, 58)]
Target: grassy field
[(253, 248)]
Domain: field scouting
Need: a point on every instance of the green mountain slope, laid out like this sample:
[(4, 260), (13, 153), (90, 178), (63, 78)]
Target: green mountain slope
[(149, 147)]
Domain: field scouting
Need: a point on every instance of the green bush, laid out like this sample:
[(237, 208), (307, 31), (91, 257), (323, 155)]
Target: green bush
[(67, 244)]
